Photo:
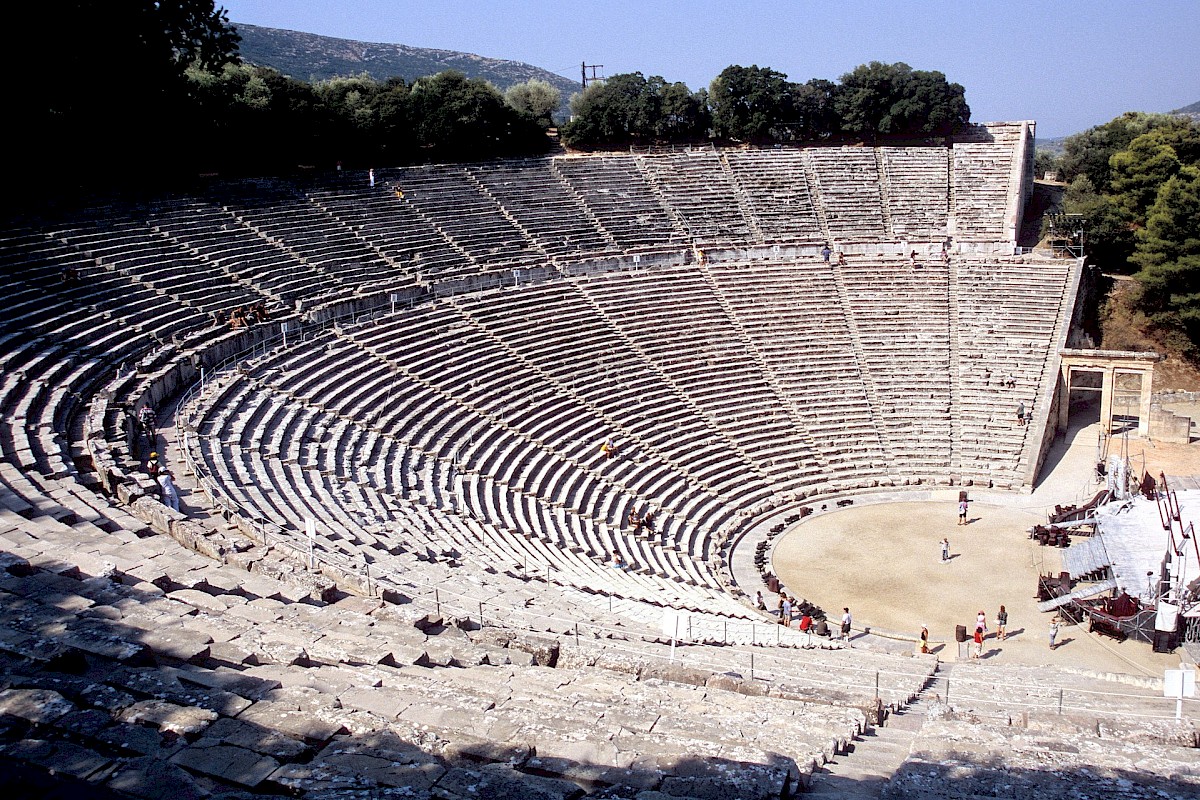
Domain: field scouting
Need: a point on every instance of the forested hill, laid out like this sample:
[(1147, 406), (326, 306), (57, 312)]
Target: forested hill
[(309, 57)]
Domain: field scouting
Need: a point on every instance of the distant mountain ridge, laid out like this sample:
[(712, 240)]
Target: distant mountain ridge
[(1191, 110), (309, 57)]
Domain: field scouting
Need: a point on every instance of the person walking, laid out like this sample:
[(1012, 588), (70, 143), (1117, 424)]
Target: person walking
[(785, 611), (1053, 631), (981, 622), (846, 621), (945, 550), (962, 511), (1001, 624)]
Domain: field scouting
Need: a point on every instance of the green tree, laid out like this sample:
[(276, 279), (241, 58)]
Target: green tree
[(752, 104), (894, 99), (1150, 160), (813, 110), (458, 117), (1168, 252), (1089, 153), (624, 109), (108, 99), (535, 98)]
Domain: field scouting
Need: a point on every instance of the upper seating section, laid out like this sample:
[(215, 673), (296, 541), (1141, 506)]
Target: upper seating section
[(849, 191), (453, 202), (696, 185), (775, 185), (918, 190), (622, 201)]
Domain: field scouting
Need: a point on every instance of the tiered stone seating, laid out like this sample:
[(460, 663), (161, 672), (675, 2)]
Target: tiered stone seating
[(981, 174), (395, 229), (899, 313), (807, 349), (617, 194), (918, 197), (162, 669), (448, 455), (698, 189), (1014, 732), (450, 200), (539, 202), (777, 192), (1009, 313), (847, 181), (223, 241), (336, 251)]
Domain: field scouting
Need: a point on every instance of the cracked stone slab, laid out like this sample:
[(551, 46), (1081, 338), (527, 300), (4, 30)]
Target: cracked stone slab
[(40, 706), (180, 720), (154, 779), (228, 763)]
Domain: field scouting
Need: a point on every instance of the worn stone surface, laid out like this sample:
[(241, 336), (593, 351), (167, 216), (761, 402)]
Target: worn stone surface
[(180, 720), (155, 779), (234, 764), (498, 782), (60, 757), (41, 706)]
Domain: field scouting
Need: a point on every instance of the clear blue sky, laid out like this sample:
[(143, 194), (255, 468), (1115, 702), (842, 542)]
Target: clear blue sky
[(1069, 64)]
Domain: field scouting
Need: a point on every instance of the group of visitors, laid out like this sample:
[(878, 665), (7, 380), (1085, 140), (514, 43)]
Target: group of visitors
[(981, 630), (641, 522), (166, 484), (245, 316)]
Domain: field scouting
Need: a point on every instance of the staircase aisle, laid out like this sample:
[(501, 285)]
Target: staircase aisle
[(864, 771)]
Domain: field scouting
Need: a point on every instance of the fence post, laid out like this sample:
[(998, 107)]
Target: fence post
[(947, 691), (725, 631), (876, 684), (577, 634), (437, 602), (481, 613), (752, 666), (1060, 699)]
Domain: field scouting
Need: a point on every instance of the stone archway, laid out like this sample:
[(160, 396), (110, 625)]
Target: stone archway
[(1124, 386)]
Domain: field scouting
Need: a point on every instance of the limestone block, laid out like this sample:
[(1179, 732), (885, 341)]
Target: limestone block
[(312, 727), (228, 763), (198, 599), (257, 738), (40, 706), (184, 721), (178, 644), (61, 758), (155, 779), (499, 782)]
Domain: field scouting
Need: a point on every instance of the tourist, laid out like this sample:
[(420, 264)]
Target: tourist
[(806, 624), (821, 628), (841, 259), (981, 622), (152, 466), (785, 611), (962, 512), (1001, 624), (924, 639), (978, 651), (826, 253), (618, 562), (759, 603), (846, 622), (946, 549), (170, 496), (635, 521), (608, 449), (1053, 631), (371, 177), (1021, 413)]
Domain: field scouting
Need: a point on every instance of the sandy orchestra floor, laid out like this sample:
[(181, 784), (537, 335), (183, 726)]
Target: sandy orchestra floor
[(884, 562)]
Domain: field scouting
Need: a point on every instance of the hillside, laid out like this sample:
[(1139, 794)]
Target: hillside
[(1193, 109), (309, 57)]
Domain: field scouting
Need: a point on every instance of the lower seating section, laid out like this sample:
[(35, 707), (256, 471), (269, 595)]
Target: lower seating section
[(1007, 311), (143, 666)]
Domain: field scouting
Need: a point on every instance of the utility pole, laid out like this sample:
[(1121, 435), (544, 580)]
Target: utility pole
[(585, 78)]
